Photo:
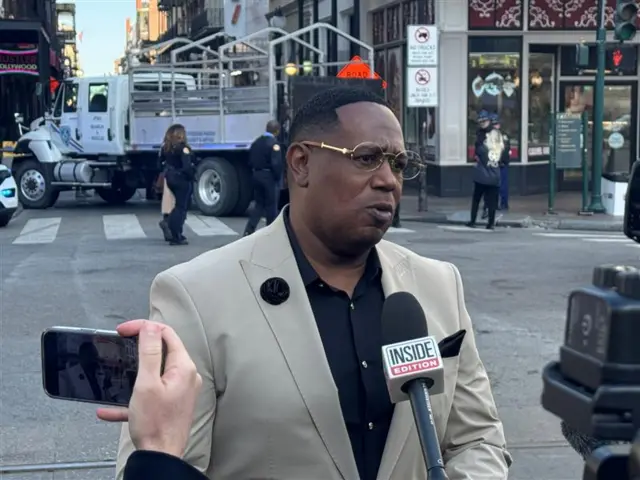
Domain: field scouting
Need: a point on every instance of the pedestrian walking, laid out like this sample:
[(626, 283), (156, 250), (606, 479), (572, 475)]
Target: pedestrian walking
[(167, 204), (489, 147), (178, 158), (265, 159), (503, 203)]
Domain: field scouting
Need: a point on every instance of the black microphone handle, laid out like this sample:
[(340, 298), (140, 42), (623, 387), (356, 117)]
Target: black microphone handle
[(418, 391)]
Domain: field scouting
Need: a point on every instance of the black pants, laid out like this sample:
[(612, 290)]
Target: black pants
[(490, 194), (182, 190), (264, 198)]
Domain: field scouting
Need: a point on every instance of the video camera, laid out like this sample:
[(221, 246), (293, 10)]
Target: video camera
[(595, 386)]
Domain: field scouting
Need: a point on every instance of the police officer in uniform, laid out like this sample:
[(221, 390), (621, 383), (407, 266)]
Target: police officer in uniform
[(180, 173), (265, 160)]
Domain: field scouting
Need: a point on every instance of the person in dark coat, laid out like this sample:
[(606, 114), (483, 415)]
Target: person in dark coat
[(179, 173), (267, 165), (503, 203), (161, 408), (489, 147)]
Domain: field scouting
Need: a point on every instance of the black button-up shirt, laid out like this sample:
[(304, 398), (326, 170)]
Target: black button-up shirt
[(350, 329)]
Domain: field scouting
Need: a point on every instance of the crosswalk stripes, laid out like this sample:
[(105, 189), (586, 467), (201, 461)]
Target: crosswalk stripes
[(39, 231), (208, 226), (614, 238), (122, 227)]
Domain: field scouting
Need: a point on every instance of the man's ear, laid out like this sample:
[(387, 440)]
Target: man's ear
[(298, 165)]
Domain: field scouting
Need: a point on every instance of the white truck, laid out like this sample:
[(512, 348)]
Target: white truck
[(104, 133)]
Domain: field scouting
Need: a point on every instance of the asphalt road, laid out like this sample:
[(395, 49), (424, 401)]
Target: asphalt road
[(96, 272)]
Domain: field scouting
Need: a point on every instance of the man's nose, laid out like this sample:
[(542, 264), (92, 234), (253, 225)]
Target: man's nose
[(385, 179)]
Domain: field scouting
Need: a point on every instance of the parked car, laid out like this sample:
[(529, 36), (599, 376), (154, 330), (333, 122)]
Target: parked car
[(8, 195)]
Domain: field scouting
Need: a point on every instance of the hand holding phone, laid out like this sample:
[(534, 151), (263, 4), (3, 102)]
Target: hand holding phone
[(161, 408)]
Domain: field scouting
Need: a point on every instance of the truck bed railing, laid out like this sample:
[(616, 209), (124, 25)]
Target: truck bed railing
[(236, 100)]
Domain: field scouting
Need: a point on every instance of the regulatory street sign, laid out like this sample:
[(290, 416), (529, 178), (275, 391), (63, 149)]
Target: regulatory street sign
[(422, 45), (422, 87)]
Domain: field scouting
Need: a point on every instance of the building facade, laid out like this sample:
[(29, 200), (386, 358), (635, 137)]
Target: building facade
[(29, 61), (68, 38), (150, 23), (518, 58)]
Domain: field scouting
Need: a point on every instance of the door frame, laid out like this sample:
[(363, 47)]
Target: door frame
[(633, 129)]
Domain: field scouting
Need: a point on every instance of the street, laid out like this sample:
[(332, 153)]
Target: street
[(92, 265)]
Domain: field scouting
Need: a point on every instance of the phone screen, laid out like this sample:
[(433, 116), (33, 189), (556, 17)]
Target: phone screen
[(89, 365)]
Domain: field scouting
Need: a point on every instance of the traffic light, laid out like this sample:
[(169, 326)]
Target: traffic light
[(625, 20)]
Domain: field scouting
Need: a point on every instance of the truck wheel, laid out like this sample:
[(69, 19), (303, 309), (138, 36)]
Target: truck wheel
[(117, 194), (246, 189), (34, 185), (217, 188)]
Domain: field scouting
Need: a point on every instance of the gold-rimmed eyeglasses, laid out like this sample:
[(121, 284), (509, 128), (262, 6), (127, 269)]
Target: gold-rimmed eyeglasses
[(370, 156)]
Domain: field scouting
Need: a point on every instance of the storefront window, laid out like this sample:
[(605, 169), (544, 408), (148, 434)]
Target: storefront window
[(541, 67), (494, 81)]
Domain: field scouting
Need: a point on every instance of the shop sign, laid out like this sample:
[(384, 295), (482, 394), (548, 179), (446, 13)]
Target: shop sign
[(422, 86), (23, 62), (357, 68)]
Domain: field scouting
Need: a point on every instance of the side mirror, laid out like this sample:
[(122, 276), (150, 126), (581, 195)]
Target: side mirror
[(631, 226)]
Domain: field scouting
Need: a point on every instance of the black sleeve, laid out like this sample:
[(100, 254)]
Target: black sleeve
[(276, 158), (187, 163), (146, 465)]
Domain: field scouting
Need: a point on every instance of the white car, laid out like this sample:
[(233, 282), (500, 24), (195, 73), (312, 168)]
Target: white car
[(8, 195)]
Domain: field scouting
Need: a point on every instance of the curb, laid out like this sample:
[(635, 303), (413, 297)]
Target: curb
[(526, 222)]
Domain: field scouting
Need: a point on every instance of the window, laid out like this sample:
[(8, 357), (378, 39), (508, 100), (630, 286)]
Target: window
[(378, 27), (494, 82), (541, 66), (393, 23), (98, 93), (409, 14), (70, 98), (57, 101)]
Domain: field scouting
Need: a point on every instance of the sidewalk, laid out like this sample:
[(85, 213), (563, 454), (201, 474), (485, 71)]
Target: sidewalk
[(525, 212)]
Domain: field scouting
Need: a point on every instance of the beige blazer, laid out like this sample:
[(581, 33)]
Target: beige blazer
[(269, 408)]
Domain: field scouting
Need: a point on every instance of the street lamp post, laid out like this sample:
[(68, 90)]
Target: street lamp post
[(596, 205)]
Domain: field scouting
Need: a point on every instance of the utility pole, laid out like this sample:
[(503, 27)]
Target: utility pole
[(625, 30), (596, 205)]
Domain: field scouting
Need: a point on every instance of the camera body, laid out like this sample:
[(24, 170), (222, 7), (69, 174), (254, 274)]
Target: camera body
[(595, 386)]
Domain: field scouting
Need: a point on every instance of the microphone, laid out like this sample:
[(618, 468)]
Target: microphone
[(413, 369)]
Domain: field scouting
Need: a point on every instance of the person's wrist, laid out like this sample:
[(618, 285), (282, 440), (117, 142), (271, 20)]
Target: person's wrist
[(170, 448)]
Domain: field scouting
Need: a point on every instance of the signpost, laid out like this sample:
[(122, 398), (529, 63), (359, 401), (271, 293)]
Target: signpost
[(422, 83), (568, 151)]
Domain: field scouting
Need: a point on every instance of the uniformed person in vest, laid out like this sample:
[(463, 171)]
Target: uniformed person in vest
[(178, 158), (265, 160)]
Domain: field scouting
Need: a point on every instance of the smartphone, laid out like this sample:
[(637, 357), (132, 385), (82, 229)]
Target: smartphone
[(88, 365)]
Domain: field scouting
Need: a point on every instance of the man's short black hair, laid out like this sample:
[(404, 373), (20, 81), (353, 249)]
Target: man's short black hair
[(319, 113)]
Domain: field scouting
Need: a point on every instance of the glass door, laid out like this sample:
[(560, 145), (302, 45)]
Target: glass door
[(619, 124)]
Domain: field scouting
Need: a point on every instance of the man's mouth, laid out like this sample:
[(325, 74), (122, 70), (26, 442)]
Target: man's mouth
[(382, 211)]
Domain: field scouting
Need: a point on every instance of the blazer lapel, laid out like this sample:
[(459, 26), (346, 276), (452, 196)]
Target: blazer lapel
[(397, 275), (295, 330)]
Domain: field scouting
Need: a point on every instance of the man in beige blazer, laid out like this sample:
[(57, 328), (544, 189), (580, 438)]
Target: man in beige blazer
[(270, 407)]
